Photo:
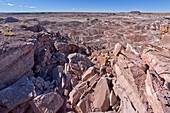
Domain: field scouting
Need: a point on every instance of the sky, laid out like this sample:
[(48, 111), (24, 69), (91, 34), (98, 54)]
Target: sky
[(84, 5)]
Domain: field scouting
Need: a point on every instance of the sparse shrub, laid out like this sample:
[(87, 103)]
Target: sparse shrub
[(5, 33)]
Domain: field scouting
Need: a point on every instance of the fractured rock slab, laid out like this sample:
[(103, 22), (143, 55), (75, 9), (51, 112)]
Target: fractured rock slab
[(90, 72), (79, 63), (20, 92), (47, 103), (159, 61), (15, 63), (102, 95)]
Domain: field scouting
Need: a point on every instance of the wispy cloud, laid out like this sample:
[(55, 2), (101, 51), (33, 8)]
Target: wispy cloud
[(32, 7), (9, 4)]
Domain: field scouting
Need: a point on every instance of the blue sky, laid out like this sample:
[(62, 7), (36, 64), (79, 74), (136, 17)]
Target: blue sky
[(84, 5)]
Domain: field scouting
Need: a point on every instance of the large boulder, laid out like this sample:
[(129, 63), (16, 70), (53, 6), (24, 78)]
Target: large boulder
[(129, 85), (159, 61), (47, 103), (155, 96), (20, 92), (79, 63), (15, 63), (77, 92), (101, 95)]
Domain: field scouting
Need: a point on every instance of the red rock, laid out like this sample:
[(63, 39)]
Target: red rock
[(83, 106), (101, 95), (90, 72), (77, 92), (47, 103)]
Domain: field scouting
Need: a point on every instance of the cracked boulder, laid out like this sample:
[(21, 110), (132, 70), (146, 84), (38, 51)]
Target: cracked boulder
[(101, 95), (47, 103), (159, 61), (20, 92), (79, 63)]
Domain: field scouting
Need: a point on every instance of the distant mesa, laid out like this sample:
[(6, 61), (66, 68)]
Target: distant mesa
[(135, 12)]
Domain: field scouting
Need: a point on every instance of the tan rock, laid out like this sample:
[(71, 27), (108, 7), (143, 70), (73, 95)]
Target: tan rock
[(101, 95), (102, 60), (165, 41), (127, 92), (77, 92), (117, 49), (159, 61), (47, 103), (83, 106), (130, 71), (92, 80), (67, 48), (151, 95), (90, 72)]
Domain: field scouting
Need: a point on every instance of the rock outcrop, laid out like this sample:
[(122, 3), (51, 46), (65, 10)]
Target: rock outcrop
[(12, 67)]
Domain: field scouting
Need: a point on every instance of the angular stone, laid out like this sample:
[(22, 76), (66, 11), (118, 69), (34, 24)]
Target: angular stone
[(21, 108), (127, 107), (47, 103), (55, 75), (101, 95), (113, 99), (20, 92), (77, 92), (159, 61), (117, 49), (83, 106), (165, 41), (92, 80), (126, 89), (11, 64), (90, 72), (79, 63), (129, 86), (152, 96)]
